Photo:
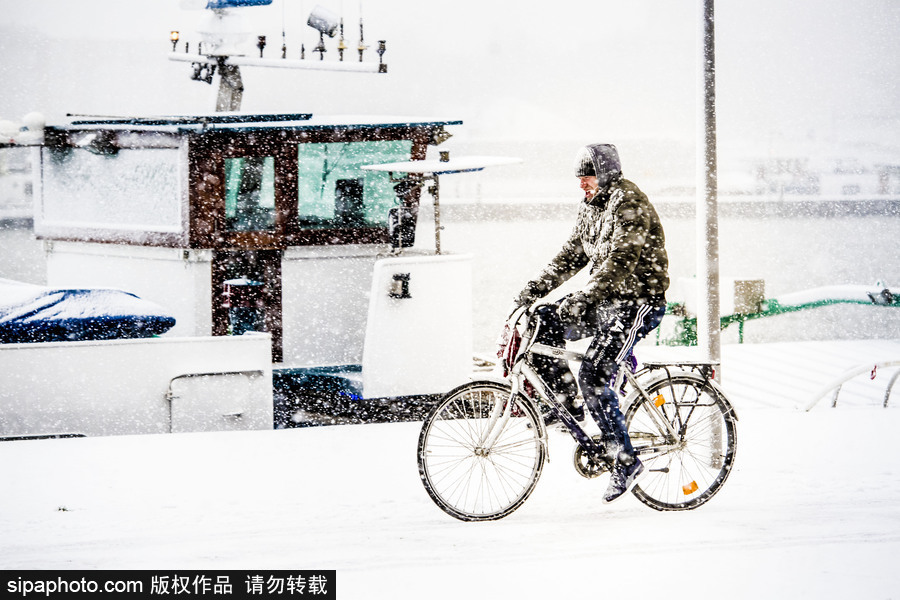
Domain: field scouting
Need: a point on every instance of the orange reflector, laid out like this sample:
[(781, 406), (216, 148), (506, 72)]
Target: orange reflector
[(659, 400), (689, 488)]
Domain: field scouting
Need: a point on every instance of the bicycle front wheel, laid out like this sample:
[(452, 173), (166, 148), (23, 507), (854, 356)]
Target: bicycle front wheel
[(688, 461), (468, 475)]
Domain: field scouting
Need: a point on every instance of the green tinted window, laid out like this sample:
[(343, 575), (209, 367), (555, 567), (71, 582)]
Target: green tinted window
[(250, 193), (334, 192)]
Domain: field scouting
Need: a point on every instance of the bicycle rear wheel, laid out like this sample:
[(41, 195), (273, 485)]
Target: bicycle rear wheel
[(685, 470), (465, 477)]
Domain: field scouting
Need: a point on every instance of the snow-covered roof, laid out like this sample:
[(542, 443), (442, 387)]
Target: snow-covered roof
[(247, 122)]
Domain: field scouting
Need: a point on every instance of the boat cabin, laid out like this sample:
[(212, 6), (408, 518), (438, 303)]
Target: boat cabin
[(238, 223)]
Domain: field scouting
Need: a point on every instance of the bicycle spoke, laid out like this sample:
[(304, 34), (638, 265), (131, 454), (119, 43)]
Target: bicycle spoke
[(686, 473), (466, 478)]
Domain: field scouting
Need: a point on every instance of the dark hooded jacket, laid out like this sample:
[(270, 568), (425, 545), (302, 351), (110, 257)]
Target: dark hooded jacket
[(619, 233)]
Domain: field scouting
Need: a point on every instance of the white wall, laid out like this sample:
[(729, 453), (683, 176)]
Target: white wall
[(421, 344), (120, 387), (176, 279), (338, 311), (325, 303)]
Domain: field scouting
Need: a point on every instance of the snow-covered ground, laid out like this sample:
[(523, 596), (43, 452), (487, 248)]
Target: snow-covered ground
[(811, 510)]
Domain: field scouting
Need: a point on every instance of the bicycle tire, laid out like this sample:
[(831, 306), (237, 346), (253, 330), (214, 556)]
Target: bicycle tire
[(469, 482), (687, 475)]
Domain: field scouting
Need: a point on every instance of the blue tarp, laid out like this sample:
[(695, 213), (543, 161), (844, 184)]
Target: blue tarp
[(33, 313)]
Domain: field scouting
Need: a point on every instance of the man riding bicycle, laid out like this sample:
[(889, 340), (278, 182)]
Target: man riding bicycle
[(618, 233)]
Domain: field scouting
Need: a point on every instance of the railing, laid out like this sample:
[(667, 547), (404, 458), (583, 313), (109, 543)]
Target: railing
[(835, 386)]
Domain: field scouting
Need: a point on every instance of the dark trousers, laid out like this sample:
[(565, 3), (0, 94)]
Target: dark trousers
[(616, 327)]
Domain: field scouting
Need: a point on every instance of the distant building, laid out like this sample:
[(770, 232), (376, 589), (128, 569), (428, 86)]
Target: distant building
[(838, 177)]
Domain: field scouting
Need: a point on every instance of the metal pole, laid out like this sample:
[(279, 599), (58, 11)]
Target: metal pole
[(435, 193), (708, 328), (231, 86)]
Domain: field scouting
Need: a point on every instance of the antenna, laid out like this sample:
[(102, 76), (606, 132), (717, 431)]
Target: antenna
[(362, 46), (223, 34), (283, 38)]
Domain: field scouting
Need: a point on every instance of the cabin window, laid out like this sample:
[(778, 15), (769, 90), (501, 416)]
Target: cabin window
[(250, 193), (333, 192), (129, 189)]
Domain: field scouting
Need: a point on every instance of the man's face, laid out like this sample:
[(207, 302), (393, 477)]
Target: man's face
[(589, 184)]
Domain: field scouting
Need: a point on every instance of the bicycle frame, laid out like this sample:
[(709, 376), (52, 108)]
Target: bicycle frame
[(521, 371)]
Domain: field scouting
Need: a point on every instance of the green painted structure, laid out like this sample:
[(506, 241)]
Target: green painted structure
[(877, 295)]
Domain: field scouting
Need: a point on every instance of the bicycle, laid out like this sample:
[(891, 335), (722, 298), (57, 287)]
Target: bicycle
[(482, 446)]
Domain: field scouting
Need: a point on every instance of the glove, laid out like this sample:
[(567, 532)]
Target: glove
[(572, 308), (528, 295)]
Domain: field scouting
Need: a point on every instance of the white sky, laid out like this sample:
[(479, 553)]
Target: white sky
[(805, 70)]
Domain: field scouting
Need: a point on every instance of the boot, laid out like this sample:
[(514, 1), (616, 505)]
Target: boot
[(622, 479)]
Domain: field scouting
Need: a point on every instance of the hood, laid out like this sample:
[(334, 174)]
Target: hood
[(605, 160)]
